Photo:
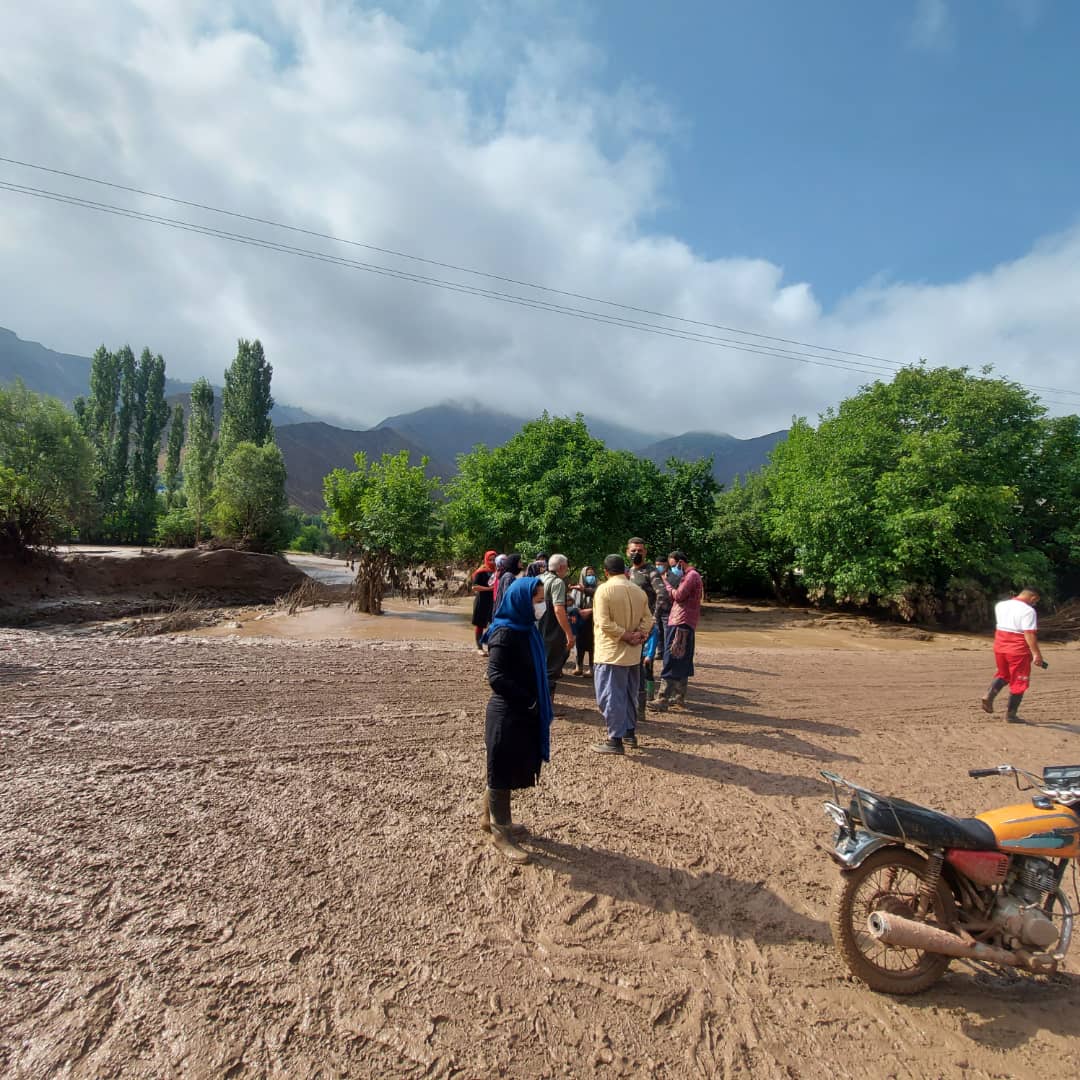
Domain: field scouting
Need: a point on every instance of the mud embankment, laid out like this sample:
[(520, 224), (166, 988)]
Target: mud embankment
[(88, 585)]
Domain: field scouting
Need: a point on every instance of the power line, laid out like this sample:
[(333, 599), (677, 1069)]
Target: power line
[(445, 265), (875, 366), (751, 348)]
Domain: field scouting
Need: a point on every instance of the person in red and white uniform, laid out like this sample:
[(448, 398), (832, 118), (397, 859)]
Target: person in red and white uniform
[(1015, 647)]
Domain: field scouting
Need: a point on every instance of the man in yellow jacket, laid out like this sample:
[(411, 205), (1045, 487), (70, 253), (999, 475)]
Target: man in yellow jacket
[(621, 622)]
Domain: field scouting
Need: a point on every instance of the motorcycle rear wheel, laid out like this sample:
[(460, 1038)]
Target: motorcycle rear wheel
[(888, 881)]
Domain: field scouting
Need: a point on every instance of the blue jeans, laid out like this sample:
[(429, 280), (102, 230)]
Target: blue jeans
[(616, 696)]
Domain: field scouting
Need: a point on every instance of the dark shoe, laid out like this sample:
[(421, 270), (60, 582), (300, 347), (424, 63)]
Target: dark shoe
[(1012, 718), (987, 704), (609, 746), (658, 704), (630, 739)]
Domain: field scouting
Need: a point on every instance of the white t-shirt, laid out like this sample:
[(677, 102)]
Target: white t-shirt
[(1015, 616)]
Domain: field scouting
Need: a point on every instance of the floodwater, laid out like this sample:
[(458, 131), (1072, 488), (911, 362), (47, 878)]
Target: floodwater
[(723, 625)]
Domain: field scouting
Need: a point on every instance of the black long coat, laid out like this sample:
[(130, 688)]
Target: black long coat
[(512, 731)]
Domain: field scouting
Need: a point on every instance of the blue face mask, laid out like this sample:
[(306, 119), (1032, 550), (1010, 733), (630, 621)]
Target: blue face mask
[(590, 579), (676, 571)]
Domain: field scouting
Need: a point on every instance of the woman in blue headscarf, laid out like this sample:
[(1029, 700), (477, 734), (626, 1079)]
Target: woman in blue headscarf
[(519, 714)]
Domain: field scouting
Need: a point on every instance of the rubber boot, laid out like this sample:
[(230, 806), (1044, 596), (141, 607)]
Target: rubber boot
[(663, 695), (988, 698), (680, 692), (485, 817), (1011, 715), (502, 827)]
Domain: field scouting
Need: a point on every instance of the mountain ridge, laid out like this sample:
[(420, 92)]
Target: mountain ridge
[(313, 447)]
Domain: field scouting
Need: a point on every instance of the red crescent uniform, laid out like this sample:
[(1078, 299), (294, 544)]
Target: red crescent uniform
[(1011, 652)]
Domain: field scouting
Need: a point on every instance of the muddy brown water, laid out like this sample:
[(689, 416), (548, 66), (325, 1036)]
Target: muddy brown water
[(257, 855)]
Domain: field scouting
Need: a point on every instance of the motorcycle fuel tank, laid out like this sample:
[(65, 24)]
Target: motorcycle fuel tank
[(1026, 829)]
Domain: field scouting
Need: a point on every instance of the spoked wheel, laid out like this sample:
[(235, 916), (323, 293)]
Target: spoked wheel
[(888, 881)]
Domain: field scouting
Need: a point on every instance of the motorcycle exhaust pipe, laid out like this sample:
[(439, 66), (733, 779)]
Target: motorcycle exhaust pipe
[(904, 933)]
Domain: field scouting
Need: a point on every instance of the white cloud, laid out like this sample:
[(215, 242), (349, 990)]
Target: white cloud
[(496, 153)]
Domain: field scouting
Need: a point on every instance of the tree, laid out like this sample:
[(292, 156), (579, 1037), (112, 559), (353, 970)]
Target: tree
[(909, 489), (249, 506), (172, 456), (747, 556), (46, 471), (385, 511), (150, 413), (553, 487), (689, 510), (245, 400), (199, 464), (123, 418)]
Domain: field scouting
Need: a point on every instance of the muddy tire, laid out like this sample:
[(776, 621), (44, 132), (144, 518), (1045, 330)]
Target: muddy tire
[(889, 881)]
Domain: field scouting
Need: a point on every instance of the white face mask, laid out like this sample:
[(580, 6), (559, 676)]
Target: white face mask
[(539, 608)]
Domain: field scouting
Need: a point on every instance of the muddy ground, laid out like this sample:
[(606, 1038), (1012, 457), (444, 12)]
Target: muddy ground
[(252, 855)]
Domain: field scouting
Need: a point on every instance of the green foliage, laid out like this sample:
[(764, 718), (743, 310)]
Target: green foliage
[(150, 413), (245, 400), (46, 471), (309, 533), (747, 558), (175, 528), (172, 456), (123, 418), (908, 486), (554, 487), (249, 506), (385, 512), (199, 463)]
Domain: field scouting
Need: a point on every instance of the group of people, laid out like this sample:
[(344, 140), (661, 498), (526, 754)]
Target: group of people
[(642, 613)]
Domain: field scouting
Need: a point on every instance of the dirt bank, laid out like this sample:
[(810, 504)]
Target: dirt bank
[(258, 857), (89, 584)]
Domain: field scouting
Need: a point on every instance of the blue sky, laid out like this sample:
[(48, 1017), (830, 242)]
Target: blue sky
[(921, 140), (888, 178), (847, 139)]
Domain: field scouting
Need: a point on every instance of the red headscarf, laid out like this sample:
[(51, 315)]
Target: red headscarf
[(488, 563)]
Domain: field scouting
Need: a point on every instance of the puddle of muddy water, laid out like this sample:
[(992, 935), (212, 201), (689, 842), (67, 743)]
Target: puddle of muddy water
[(400, 621), (721, 628)]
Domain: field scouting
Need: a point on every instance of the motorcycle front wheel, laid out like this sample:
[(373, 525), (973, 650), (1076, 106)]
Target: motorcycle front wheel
[(887, 881)]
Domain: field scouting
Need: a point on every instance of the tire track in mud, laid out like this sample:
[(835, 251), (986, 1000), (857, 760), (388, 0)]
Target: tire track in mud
[(245, 857)]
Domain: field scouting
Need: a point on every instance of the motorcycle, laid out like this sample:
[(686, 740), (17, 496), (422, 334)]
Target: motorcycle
[(919, 888)]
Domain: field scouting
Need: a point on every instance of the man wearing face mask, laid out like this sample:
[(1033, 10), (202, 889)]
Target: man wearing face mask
[(658, 577), (686, 590), (641, 574), (555, 622), (582, 598)]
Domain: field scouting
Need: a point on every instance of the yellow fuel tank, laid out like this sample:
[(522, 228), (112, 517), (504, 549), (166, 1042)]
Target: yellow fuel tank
[(1025, 829)]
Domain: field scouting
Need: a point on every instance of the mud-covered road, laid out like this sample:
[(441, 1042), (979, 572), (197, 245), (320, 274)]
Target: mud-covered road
[(259, 857)]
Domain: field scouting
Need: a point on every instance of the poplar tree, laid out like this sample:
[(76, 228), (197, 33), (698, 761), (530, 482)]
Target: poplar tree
[(150, 413), (245, 400), (199, 465), (172, 456)]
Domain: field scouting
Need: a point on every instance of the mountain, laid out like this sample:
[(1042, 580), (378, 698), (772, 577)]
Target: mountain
[(731, 457), (67, 377), (314, 449), (455, 427)]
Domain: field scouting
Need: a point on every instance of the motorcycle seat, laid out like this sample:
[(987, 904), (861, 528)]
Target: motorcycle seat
[(921, 825)]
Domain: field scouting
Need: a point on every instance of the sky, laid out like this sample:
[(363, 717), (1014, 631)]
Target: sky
[(795, 183)]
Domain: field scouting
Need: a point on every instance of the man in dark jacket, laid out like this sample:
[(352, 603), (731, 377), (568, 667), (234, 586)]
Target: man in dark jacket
[(640, 573)]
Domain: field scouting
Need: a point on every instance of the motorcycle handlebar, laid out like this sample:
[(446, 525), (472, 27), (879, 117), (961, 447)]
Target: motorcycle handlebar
[(977, 774)]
